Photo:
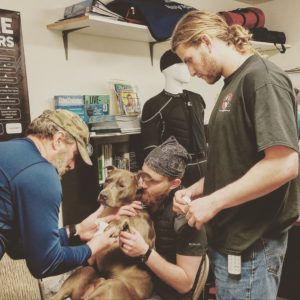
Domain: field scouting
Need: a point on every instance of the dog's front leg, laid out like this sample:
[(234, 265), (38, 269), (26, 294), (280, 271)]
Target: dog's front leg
[(119, 225)]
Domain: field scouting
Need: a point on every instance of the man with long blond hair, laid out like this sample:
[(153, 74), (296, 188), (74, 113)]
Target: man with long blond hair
[(248, 199)]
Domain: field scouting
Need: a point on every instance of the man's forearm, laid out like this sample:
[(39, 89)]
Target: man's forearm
[(196, 189), (171, 274)]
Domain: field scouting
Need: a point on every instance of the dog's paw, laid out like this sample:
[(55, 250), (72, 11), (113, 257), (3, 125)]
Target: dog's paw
[(121, 225), (101, 226)]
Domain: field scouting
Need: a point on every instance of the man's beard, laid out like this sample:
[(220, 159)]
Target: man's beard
[(213, 75), (154, 202), (59, 163)]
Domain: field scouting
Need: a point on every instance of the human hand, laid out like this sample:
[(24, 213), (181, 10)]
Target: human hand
[(130, 210), (102, 241), (132, 244), (88, 227), (200, 211), (180, 200)]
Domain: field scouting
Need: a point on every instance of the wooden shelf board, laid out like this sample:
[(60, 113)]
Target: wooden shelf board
[(102, 26)]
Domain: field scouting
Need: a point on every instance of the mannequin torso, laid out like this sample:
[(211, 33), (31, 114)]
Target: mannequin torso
[(176, 112)]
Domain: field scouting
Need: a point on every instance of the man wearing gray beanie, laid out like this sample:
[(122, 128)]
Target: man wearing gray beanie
[(179, 249)]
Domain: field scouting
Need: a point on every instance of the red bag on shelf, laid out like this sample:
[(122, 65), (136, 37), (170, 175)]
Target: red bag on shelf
[(249, 17)]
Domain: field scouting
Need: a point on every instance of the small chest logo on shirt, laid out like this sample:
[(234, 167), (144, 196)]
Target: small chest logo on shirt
[(226, 103)]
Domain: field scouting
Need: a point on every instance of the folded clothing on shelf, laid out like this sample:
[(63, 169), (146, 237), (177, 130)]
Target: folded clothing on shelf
[(160, 16)]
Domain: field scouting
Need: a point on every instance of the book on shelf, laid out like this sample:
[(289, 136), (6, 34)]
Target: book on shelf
[(133, 164), (127, 98), (73, 103), (112, 155), (96, 106), (121, 160), (90, 6), (104, 160)]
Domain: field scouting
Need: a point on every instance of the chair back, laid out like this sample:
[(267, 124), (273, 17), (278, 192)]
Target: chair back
[(201, 278)]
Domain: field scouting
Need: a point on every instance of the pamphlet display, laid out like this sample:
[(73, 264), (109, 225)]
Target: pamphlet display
[(14, 102)]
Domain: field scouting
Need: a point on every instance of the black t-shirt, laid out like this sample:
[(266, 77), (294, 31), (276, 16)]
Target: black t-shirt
[(175, 236), (255, 110)]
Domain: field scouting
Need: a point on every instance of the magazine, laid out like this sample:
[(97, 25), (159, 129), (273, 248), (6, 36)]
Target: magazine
[(96, 106), (73, 103), (128, 99), (90, 6)]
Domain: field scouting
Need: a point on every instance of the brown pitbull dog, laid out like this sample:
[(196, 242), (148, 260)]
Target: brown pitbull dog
[(115, 276)]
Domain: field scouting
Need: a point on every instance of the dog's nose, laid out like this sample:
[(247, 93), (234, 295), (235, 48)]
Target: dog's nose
[(102, 198)]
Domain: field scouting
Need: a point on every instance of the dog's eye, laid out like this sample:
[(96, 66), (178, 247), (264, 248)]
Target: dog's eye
[(121, 185)]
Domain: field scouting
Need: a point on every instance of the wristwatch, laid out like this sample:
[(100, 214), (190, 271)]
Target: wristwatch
[(143, 258), (71, 230)]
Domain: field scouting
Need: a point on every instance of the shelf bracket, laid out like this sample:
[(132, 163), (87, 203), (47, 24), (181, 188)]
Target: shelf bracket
[(65, 34), (151, 46)]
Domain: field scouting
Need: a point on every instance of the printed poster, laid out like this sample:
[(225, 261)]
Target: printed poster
[(14, 102)]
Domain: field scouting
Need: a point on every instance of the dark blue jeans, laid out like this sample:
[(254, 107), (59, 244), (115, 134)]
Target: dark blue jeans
[(260, 271)]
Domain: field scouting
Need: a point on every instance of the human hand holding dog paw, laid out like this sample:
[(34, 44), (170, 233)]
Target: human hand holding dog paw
[(103, 241), (130, 210), (132, 244), (88, 227)]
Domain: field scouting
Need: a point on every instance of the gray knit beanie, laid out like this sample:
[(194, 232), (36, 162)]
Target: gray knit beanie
[(168, 159)]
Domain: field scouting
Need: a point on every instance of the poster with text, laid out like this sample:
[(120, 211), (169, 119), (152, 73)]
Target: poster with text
[(14, 102)]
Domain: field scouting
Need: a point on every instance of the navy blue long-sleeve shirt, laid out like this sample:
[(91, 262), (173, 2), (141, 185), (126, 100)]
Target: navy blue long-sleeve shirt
[(30, 197)]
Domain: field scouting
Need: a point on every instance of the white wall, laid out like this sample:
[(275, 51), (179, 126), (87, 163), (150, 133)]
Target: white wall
[(284, 16), (94, 61)]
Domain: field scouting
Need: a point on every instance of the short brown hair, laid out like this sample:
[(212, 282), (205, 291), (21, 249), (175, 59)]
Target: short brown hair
[(190, 27)]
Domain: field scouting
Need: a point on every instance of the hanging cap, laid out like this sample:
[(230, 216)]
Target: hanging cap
[(168, 59), (75, 126)]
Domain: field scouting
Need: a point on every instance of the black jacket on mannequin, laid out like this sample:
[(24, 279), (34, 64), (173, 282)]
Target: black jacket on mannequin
[(180, 115)]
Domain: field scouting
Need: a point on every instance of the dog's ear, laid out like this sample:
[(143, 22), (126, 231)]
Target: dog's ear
[(110, 169), (138, 180)]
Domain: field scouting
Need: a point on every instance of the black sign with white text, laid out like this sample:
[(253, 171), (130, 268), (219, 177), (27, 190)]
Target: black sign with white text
[(14, 102)]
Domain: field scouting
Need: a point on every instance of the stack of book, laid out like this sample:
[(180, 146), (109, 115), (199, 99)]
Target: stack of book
[(105, 124), (129, 124), (91, 7)]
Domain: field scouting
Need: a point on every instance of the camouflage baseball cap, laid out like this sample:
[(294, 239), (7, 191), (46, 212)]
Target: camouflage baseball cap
[(75, 126)]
